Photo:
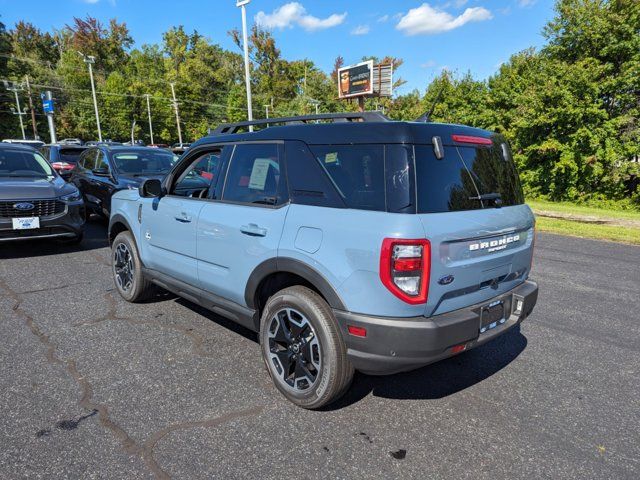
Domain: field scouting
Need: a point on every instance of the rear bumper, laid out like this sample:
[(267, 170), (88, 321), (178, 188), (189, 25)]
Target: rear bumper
[(68, 224), (399, 344)]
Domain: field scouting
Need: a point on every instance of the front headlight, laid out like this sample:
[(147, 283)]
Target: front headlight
[(72, 197)]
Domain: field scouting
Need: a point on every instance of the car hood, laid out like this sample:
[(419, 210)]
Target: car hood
[(135, 182), (28, 188)]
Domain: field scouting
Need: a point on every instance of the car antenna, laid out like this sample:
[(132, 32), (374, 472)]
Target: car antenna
[(426, 117)]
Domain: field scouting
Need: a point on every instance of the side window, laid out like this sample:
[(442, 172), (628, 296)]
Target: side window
[(88, 161), (45, 152), (254, 176), (357, 171), (101, 162), (200, 177)]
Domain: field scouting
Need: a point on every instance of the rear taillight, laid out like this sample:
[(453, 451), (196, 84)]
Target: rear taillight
[(404, 268)]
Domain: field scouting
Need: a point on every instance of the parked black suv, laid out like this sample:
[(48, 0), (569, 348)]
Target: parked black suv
[(35, 202), (104, 169)]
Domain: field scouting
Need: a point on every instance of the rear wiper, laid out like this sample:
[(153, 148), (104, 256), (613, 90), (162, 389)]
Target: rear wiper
[(496, 198)]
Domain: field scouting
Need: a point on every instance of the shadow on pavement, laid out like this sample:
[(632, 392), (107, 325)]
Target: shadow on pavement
[(440, 379), (434, 381), (95, 236)]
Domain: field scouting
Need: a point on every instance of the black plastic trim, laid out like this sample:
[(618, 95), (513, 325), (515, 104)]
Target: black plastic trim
[(117, 218), (244, 316), (297, 267)]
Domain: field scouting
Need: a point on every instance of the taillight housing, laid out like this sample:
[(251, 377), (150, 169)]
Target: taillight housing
[(405, 266)]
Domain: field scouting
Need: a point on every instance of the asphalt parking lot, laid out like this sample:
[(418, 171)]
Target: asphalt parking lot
[(93, 387)]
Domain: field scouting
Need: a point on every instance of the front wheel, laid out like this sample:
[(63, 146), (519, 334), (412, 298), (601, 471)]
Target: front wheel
[(303, 348), (127, 269)]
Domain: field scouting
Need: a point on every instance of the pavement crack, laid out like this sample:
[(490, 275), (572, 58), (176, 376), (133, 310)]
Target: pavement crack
[(111, 315), (150, 444)]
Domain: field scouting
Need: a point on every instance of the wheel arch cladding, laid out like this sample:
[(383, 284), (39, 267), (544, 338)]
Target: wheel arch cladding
[(310, 276), (118, 224)]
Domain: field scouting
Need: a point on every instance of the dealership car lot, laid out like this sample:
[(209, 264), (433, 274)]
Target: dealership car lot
[(91, 386)]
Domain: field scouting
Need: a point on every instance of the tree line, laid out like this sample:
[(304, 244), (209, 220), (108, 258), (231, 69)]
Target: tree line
[(570, 109)]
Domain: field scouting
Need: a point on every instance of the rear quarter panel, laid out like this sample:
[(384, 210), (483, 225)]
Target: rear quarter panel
[(344, 245)]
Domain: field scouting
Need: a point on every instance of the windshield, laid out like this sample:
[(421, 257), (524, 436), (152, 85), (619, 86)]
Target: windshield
[(151, 162), (22, 163)]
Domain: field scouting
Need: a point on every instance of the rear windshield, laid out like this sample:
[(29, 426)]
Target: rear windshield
[(467, 178), (70, 155), (409, 178)]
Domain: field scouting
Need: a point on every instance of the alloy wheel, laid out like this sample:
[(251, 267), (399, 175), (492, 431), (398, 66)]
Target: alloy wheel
[(124, 267), (294, 350)]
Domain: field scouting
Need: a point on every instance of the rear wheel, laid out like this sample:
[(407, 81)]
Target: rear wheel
[(127, 269), (303, 349)]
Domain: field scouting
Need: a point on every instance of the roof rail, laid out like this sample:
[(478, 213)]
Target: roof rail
[(374, 116)]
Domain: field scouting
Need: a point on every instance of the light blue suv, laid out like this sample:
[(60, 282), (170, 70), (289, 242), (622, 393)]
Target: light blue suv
[(347, 241)]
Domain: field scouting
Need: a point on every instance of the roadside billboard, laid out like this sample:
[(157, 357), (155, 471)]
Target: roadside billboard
[(355, 80)]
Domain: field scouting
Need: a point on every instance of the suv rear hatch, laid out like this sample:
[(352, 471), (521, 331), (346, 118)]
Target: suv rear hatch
[(472, 208)]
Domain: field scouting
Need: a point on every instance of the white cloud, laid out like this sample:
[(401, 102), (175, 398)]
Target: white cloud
[(360, 30), (91, 1), (526, 3), (426, 20), (294, 13), (428, 64), (383, 18)]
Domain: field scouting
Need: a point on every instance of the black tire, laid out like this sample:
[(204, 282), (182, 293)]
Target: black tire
[(136, 288), (320, 354)]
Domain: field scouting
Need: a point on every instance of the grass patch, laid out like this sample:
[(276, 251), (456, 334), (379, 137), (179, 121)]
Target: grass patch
[(571, 208), (588, 230)]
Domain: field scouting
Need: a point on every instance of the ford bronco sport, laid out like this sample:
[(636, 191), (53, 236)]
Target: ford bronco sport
[(347, 241)]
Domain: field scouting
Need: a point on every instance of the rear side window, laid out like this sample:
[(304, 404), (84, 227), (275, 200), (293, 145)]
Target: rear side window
[(357, 172), (254, 175)]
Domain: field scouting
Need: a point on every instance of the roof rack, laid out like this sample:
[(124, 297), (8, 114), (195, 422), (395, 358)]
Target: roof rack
[(374, 116)]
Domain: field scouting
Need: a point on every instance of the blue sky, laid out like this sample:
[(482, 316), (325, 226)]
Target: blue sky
[(459, 35)]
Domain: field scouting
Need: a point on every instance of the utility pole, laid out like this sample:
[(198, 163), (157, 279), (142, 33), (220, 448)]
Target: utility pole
[(90, 60), (47, 106), (245, 45), (12, 87), (149, 113), (33, 110), (175, 107)]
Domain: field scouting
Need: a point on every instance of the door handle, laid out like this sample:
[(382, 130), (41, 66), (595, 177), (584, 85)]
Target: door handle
[(183, 218), (253, 230)]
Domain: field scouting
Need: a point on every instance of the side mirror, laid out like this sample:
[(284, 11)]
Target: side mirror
[(150, 188), (101, 172)]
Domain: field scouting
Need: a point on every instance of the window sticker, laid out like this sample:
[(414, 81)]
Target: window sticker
[(331, 157), (259, 172)]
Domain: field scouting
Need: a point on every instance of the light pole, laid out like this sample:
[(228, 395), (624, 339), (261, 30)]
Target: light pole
[(12, 87), (175, 107), (150, 124), (90, 60), (245, 44)]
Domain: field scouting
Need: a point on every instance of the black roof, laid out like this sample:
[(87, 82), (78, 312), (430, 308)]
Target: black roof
[(357, 132)]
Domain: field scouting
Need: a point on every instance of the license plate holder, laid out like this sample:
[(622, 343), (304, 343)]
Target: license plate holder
[(26, 223), (492, 315)]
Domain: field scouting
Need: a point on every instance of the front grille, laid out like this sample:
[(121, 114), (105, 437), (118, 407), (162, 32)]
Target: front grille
[(41, 208)]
